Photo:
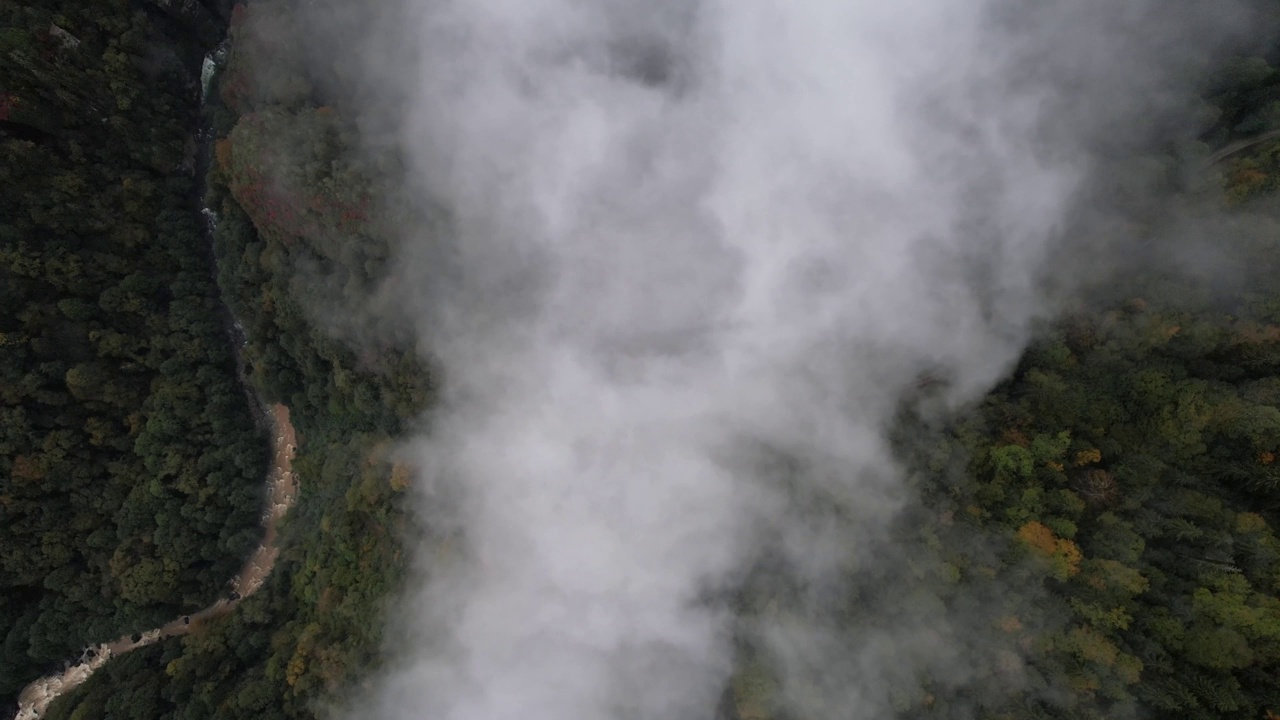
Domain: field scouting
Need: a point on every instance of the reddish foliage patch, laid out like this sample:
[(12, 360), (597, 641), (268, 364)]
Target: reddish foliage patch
[(272, 211), (235, 87), (286, 207), (1257, 334)]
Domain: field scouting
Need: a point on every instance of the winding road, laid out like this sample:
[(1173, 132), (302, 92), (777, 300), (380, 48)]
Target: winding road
[(282, 491), (1236, 147)]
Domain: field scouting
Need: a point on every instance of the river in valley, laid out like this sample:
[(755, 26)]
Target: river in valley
[(282, 491)]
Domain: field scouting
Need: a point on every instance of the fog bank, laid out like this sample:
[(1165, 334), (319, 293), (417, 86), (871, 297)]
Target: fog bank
[(695, 254)]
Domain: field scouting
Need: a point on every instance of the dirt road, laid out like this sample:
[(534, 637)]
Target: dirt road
[(1236, 147), (282, 491)]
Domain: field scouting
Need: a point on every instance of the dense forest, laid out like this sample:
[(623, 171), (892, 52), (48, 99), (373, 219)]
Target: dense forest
[(1107, 515), (131, 459), (282, 242)]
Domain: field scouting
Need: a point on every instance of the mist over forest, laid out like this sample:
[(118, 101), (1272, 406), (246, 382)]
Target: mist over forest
[(684, 359)]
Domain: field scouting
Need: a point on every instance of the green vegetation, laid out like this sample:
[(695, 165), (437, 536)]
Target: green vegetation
[(293, 232), (1247, 97), (1130, 465), (1105, 520), (130, 465)]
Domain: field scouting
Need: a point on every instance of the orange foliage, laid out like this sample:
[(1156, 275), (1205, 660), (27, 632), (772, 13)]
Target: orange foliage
[(1255, 334), (1071, 556), (1086, 457), (1063, 555), (1247, 178), (400, 476), (294, 670), (298, 663), (1266, 457), (222, 153), (1039, 537)]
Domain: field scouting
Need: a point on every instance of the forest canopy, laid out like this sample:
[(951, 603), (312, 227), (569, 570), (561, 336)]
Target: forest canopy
[(1114, 503), (130, 460)]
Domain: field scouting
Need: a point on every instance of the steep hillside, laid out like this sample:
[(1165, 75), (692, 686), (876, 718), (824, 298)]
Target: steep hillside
[(129, 456)]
